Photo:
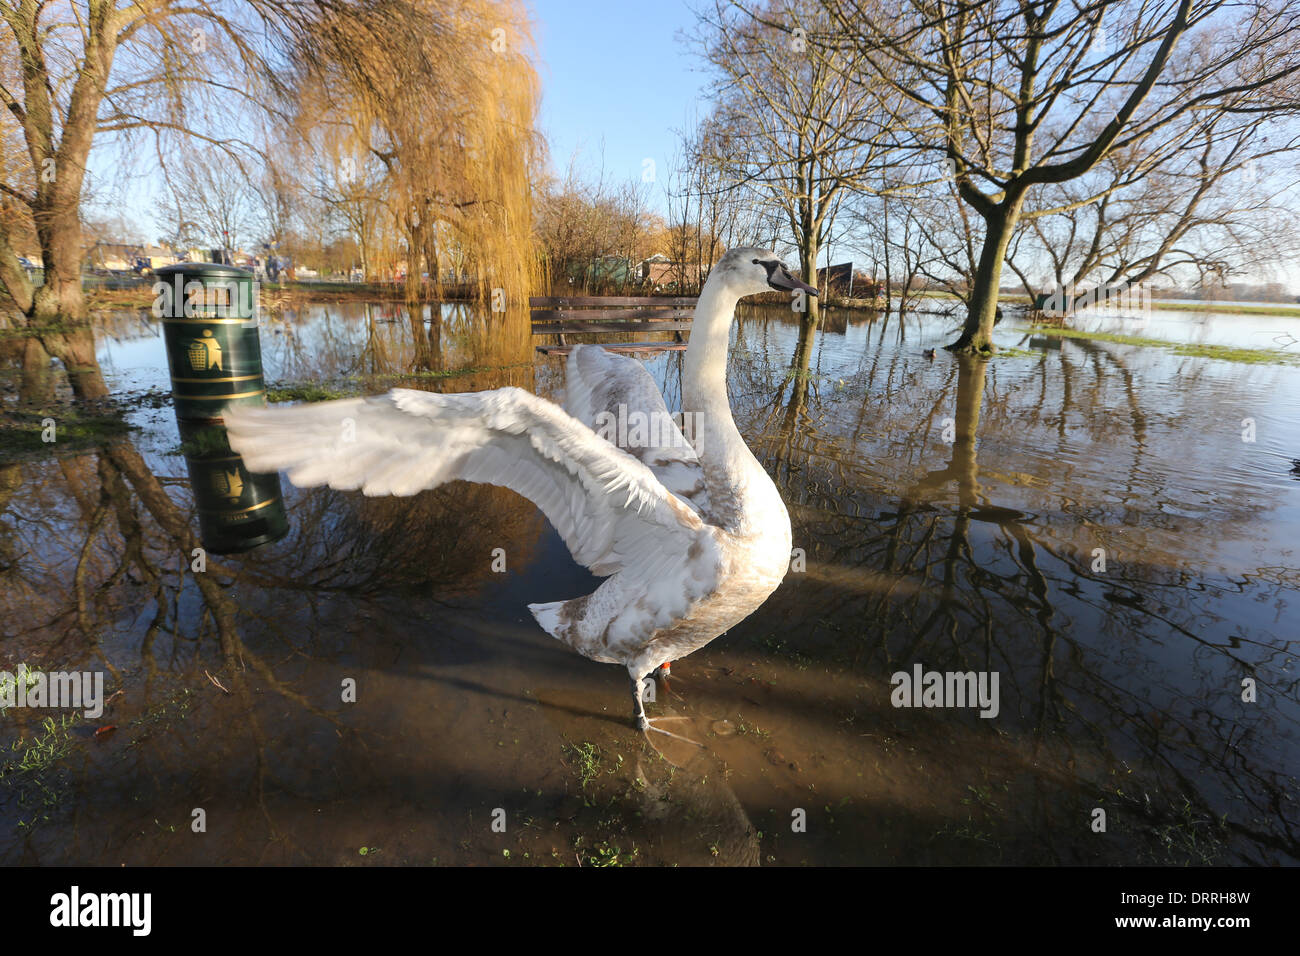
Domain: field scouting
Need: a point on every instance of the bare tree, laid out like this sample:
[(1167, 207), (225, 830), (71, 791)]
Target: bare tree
[(347, 198), (218, 195), (794, 118), (279, 200), (1210, 205), (1018, 95)]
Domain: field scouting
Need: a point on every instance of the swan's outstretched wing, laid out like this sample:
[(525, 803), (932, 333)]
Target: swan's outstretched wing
[(608, 507), (615, 395)]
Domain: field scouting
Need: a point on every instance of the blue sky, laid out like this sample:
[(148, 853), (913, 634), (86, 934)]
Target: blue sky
[(617, 74)]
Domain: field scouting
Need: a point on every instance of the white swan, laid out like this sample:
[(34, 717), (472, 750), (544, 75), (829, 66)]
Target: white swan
[(692, 538)]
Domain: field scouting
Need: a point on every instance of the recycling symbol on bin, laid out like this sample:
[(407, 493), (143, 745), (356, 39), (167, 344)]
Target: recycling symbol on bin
[(205, 353)]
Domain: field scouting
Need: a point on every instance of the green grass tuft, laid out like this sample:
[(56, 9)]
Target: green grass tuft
[(1222, 352)]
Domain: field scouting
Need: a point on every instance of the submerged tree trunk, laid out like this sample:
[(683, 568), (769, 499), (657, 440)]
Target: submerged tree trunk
[(59, 316), (808, 252), (423, 360), (977, 334), (970, 396), (889, 294), (36, 387)]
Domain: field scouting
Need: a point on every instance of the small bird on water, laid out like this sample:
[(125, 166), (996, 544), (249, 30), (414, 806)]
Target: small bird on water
[(690, 536)]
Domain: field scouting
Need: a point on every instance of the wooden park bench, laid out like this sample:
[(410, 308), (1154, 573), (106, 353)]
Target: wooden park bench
[(562, 317)]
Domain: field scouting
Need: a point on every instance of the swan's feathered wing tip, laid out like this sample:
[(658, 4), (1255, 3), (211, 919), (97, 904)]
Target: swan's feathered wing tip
[(283, 437), (548, 616), (246, 430)]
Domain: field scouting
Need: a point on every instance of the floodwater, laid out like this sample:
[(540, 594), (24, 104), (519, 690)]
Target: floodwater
[(1094, 523)]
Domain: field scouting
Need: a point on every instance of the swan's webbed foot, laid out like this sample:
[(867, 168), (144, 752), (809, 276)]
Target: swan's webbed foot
[(649, 725)]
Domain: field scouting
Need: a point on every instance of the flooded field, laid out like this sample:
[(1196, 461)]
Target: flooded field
[(1112, 530)]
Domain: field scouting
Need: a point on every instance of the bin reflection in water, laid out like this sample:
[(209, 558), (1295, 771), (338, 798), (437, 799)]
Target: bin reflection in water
[(238, 509)]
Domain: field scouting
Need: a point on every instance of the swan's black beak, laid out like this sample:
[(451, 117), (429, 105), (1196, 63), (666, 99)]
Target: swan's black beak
[(778, 277)]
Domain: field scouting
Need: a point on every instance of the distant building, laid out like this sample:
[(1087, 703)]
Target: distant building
[(867, 287), (113, 256), (155, 257), (659, 270)]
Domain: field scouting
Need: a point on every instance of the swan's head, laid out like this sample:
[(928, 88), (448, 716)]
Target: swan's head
[(749, 270)]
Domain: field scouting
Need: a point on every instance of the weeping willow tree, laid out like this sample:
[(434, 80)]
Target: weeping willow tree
[(442, 96)]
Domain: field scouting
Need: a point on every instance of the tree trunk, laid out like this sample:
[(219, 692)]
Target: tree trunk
[(970, 396), (977, 334), (59, 315), (808, 253), (36, 387), (433, 266), (414, 248), (889, 293)]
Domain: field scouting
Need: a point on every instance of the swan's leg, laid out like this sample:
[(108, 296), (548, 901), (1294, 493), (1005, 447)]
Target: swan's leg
[(639, 718), (644, 723)]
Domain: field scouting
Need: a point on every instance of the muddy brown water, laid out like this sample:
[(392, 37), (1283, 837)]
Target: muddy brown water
[(950, 516)]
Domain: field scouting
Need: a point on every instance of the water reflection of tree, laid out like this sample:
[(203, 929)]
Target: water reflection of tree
[(943, 574), (96, 551), (100, 539), (383, 343)]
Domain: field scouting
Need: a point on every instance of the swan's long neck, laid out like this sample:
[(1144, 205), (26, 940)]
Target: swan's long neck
[(742, 497)]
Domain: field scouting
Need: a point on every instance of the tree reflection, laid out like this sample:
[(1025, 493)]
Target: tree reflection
[(100, 560), (958, 571)]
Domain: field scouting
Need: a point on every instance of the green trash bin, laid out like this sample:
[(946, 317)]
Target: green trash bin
[(209, 316)]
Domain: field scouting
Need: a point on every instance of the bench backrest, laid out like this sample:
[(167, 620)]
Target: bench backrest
[(552, 315), (597, 314)]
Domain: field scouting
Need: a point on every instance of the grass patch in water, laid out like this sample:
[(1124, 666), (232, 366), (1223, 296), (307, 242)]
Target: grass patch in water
[(162, 716), (9, 682), (1224, 352), (1230, 354), (308, 393), (31, 769), (1189, 306), (1288, 310), (603, 854), (587, 758), (454, 372), (23, 431)]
